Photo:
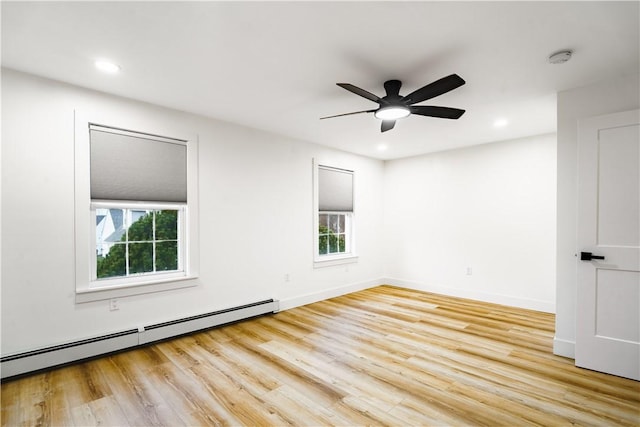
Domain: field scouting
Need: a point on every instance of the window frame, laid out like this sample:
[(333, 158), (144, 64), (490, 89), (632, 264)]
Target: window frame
[(86, 288), (327, 260)]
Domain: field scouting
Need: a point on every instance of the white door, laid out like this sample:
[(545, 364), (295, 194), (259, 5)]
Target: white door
[(608, 300)]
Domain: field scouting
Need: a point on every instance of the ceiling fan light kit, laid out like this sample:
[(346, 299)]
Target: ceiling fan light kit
[(393, 106), (392, 112)]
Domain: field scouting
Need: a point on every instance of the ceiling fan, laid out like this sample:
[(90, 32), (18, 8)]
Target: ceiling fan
[(393, 106)]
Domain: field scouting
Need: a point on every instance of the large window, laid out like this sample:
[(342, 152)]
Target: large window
[(335, 216), (140, 228)]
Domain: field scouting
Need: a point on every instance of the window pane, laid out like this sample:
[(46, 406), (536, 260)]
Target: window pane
[(323, 241), (166, 256), (341, 223), (113, 262), (333, 243), (333, 223), (141, 228), (341, 243), (323, 230), (166, 225), (323, 220), (110, 228), (140, 257)]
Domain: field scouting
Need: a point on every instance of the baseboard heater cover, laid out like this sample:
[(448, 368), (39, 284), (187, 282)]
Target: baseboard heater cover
[(174, 328), (36, 360)]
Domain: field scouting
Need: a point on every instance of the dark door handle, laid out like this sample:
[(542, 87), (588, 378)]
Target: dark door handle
[(588, 256)]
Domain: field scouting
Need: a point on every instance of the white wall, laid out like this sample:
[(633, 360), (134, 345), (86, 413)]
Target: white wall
[(490, 207), (255, 218), (611, 96)]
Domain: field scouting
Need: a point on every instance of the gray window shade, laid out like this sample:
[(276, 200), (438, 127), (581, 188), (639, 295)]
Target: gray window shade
[(335, 190), (125, 167)]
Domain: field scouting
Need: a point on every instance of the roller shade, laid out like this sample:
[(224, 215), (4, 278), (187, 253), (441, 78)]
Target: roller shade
[(335, 190), (126, 166)]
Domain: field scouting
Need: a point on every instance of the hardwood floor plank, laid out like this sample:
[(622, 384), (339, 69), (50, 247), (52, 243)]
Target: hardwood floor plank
[(140, 402), (420, 412), (320, 392), (235, 366), (231, 398), (298, 409), (107, 412), (188, 398), (382, 356)]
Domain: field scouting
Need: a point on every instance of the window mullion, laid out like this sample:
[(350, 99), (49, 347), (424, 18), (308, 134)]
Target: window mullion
[(153, 238), (126, 221)]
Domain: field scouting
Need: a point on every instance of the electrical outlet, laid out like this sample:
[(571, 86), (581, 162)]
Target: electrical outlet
[(113, 305), (287, 277), (469, 271)]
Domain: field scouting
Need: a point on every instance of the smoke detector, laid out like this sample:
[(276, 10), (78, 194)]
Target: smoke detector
[(560, 57)]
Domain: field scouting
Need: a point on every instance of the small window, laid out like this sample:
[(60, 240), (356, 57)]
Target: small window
[(335, 216), (334, 234)]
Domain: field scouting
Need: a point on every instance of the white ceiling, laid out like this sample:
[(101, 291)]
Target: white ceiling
[(274, 65)]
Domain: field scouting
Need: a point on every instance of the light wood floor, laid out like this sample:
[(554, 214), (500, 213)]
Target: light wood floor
[(384, 356)]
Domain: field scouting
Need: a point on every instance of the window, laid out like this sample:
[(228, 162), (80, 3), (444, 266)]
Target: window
[(139, 232), (333, 233), (335, 216), (137, 241)]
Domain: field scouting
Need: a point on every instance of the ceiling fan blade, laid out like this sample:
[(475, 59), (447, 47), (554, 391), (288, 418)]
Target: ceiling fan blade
[(434, 89), (387, 125), (440, 112), (363, 93), (347, 114)]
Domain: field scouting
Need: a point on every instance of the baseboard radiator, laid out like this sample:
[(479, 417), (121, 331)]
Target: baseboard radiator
[(49, 357)]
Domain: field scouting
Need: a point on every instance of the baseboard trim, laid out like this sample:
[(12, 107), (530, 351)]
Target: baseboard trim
[(530, 304), (288, 303), (564, 348)]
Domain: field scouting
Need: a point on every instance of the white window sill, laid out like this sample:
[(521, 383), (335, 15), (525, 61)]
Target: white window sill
[(125, 290), (330, 261)]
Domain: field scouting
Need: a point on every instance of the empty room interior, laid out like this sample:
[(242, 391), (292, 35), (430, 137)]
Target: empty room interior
[(320, 213)]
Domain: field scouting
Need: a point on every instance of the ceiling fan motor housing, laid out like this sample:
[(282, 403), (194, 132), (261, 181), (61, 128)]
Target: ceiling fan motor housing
[(393, 90)]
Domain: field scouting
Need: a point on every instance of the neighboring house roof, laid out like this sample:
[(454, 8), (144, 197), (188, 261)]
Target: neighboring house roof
[(116, 236), (117, 216)]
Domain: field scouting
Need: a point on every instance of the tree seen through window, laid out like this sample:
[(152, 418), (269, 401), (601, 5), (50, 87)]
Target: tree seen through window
[(148, 244)]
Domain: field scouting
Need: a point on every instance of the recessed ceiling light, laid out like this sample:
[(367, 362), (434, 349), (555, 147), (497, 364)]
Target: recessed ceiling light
[(500, 123), (382, 147), (107, 66)]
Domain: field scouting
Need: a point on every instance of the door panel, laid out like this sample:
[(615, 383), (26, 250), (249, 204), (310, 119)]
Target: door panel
[(617, 297), (618, 187), (608, 300)]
